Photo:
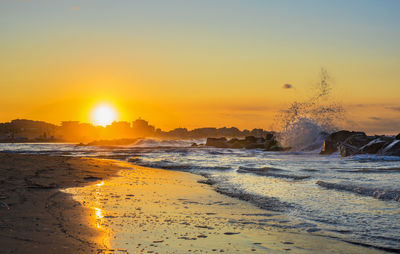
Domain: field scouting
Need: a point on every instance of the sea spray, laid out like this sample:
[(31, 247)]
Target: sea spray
[(305, 124)]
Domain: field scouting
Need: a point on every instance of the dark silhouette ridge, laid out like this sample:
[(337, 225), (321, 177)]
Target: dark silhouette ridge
[(23, 130)]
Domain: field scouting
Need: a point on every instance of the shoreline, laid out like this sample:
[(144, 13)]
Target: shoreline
[(165, 210), (35, 215)]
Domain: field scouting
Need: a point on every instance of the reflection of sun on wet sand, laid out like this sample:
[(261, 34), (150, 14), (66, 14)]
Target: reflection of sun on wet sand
[(38, 218), (143, 210), (159, 211)]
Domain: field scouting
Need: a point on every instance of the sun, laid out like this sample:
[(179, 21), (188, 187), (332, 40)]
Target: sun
[(103, 115)]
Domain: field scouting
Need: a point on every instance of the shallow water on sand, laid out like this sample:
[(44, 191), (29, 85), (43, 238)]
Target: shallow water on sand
[(355, 198), (157, 211)]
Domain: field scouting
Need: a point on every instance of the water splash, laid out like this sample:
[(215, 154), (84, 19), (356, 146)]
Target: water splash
[(305, 124)]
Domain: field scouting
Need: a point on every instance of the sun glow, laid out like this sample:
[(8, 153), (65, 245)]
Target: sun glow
[(103, 115)]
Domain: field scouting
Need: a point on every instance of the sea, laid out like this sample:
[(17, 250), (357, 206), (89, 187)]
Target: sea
[(355, 199)]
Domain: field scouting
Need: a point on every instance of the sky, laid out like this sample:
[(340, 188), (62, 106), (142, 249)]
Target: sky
[(199, 63)]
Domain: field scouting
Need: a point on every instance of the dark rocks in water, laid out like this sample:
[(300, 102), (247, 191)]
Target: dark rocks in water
[(392, 149), (254, 146), (347, 150), (270, 136), (358, 140), (333, 140), (250, 139), (373, 146), (351, 143), (217, 142), (233, 140), (269, 143)]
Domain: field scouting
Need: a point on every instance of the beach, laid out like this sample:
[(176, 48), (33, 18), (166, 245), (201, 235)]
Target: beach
[(140, 210), (35, 217)]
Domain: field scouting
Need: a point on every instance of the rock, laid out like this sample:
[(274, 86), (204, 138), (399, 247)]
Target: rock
[(233, 140), (270, 136), (254, 146), (217, 142), (398, 136), (238, 144), (373, 146), (250, 139), (347, 150), (332, 141), (250, 142), (268, 144), (277, 148), (194, 145), (358, 140), (393, 149)]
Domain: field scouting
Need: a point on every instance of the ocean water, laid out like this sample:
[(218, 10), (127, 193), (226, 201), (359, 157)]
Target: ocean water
[(356, 199)]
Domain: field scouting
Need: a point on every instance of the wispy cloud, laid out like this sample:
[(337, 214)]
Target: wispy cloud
[(395, 108), (382, 125), (76, 8), (375, 118)]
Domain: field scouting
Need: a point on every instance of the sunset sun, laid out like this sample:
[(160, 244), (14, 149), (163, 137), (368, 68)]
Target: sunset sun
[(103, 115)]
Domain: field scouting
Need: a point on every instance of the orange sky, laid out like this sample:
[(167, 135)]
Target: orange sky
[(197, 64)]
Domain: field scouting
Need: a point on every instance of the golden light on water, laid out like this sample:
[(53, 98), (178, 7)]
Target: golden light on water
[(100, 184), (99, 213), (103, 115)]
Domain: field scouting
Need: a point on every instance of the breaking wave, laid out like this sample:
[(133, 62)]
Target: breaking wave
[(371, 192), (154, 143), (305, 124), (268, 171), (180, 167)]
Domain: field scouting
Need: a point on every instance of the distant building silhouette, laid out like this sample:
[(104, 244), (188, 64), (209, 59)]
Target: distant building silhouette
[(74, 131)]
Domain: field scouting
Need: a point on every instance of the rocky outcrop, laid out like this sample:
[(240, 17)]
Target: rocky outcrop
[(268, 143), (374, 146), (392, 149), (332, 142), (349, 143), (217, 142)]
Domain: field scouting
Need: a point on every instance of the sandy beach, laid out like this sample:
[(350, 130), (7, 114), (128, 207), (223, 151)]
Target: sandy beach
[(35, 217), (142, 211)]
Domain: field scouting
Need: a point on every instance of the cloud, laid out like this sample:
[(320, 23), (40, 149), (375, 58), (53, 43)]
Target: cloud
[(382, 126), (287, 86), (375, 118), (394, 108), (75, 8)]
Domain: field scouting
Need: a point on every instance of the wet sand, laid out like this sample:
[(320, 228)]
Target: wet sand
[(161, 211), (35, 217), (143, 211)]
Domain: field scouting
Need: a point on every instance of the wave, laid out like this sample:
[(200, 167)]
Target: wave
[(369, 170), (180, 167), (365, 191), (305, 124), (268, 171), (367, 158), (154, 143), (264, 202)]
